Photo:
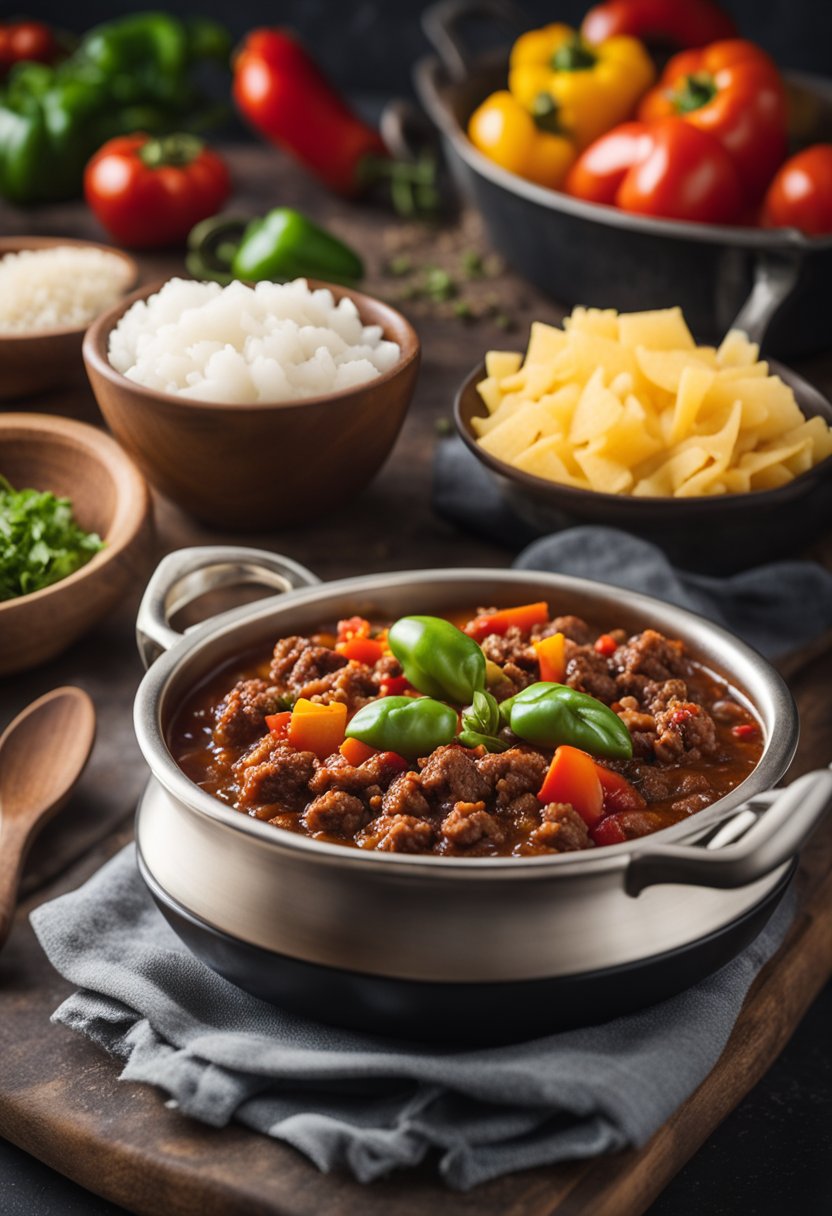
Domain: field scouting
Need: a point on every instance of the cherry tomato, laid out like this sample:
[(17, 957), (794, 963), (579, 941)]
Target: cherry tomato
[(800, 196)]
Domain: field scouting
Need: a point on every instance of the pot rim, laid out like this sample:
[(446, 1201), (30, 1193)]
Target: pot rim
[(780, 744)]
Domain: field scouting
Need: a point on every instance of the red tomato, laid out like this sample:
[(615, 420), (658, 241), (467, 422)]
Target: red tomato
[(800, 196), (667, 169), (26, 40), (150, 192)]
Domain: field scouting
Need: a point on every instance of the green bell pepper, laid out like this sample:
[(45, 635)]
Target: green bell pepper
[(552, 714), (410, 726), (437, 658), (282, 245)]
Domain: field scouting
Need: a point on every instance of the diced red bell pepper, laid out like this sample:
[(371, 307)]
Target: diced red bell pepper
[(606, 645), (278, 724), (573, 777), (551, 658), (317, 728), (353, 627), (523, 617), (355, 752), (619, 794), (395, 686), (744, 730), (608, 831), (361, 649)]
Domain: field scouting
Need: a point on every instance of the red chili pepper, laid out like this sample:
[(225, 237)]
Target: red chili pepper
[(666, 168), (800, 196), (22, 41), (683, 23), (744, 730), (606, 645), (733, 91), (282, 92), (149, 192), (361, 650), (353, 627)]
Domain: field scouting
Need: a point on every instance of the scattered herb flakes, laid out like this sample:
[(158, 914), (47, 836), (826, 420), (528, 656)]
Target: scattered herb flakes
[(472, 264), (40, 542), (443, 427), (438, 284), (400, 265)]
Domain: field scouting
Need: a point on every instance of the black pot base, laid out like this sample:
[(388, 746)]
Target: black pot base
[(469, 1014)]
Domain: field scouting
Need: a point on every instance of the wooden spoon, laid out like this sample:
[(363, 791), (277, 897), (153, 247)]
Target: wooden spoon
[(43, 753)]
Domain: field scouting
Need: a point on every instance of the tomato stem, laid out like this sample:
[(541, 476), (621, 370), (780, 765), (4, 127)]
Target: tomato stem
[(178, 150)]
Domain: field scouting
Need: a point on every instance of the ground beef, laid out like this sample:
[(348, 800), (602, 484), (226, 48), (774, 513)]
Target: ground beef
[(239, 718), (273, 772), (561, 829), (353, 686), (337, 773), (652, 655), (572, 627), (450, 775), (336, 813), (284, 657), (657, 697), (526, 807), (589, 672), (405, 797), (397, 834), (516, 678), (387, 667), (469, 823), (512, 773), (638, 823), (513, 646)]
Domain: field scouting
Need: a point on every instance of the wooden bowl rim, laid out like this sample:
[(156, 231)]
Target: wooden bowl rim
[(132, 505), (701, 504), (19, 244), (372, 311)]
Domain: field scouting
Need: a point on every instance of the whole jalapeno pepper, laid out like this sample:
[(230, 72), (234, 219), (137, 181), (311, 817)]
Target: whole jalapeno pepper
[(552, 714), (411, 726), (437, 658)]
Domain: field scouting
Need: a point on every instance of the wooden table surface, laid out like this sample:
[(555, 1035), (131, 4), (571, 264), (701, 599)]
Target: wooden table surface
[(390, 526)]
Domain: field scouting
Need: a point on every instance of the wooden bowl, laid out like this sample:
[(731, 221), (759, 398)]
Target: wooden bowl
[(716, 534), (46, 358), (109, 496), (265, 465)]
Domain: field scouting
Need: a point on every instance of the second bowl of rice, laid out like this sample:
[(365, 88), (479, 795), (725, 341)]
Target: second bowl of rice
[(252, 407)]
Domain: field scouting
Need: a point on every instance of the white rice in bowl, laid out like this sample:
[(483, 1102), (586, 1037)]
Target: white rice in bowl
[(241, 345), (60, 287)]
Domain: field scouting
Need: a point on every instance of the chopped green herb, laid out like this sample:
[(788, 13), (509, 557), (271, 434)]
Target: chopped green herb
[(438, 284), (462, 309), (40, 542), (472, 264), (504, 321), (400, 265), (443, 427)]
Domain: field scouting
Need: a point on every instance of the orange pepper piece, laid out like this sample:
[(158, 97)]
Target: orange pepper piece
[(278, 724), (317, 728), (523, 617), (355, 752), (361, 650), (573, 777), (551, 657)]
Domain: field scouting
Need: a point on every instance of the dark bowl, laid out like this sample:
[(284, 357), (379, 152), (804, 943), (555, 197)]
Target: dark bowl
[(718, 534)]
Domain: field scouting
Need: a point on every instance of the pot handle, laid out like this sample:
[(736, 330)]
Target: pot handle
[(776, 835), (776, 275), (186, 574), (440, 23)]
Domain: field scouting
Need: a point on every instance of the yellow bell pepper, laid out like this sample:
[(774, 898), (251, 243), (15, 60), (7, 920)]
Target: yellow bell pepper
[(593, 88), (510, 136)]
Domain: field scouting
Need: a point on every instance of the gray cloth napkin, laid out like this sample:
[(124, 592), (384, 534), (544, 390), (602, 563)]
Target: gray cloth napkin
[(776, 608), (365, 1104)]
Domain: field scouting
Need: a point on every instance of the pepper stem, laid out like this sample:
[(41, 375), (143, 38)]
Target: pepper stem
[(412, 184), (178, 150), (546, 114), (694, 93), (573, 56)]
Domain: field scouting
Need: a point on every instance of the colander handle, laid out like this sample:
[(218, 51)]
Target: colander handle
[(775, 837), (186, 574), (441, 25)]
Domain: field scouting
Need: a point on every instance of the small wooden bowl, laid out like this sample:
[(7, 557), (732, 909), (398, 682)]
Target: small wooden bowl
[(46, 358), (258, 466), (716, 534), (109, 496)]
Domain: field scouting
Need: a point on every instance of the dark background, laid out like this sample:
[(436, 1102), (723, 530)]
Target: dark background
[(368, 45)]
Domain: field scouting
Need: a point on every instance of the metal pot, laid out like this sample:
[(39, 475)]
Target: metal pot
[(415, 945), (772, 284)]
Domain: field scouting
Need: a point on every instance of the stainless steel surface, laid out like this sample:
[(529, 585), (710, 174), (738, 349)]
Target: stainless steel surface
[(185, 575), (775, 838), (433, 917), (581, 252)]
